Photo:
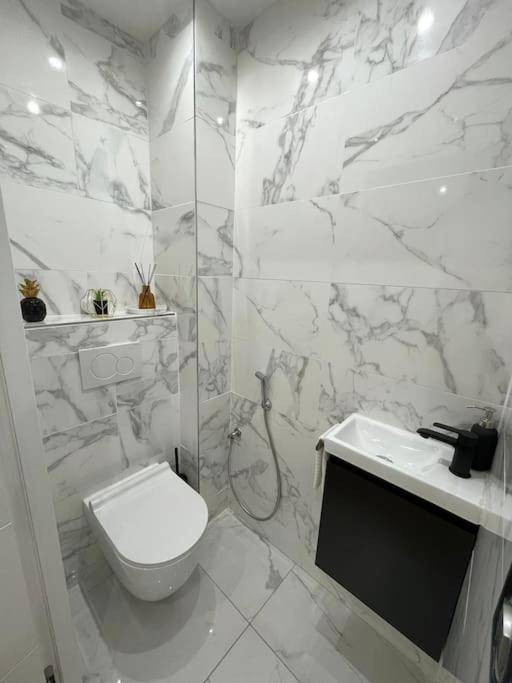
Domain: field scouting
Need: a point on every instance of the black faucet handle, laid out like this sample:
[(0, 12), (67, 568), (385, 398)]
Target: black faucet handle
[(461, 432)]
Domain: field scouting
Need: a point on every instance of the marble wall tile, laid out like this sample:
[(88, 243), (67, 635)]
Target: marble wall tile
[(397, 402), (214, 240), (425, 234), (216, 62), (458, 121), (65, 339), (112, 165), (174, 235), (289, 315), (189, 467), (214, 422), (180, 294), (60, 231), (297, 157), (215, 312), (431, 337), (170, 78), (106, 81), (39, 70), (149, 418), (304, 52), (172, 166), (36, 143), (60, 290), (61, 401), (294, 528), (287, 241), (215, 165), (80, 459), (79, 12)]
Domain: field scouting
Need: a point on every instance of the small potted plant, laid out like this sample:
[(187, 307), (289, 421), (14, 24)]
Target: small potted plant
[(33, 309), (100, 302)]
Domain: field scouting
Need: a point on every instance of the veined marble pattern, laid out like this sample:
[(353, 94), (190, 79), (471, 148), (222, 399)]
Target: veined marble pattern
[(61, 231), (80, 459), (28, 40), (288, 315), (61, 401), (215, 164), (36, 143), (180, 295), (170, 77), (231, 552), (424, 234), (304, 52), (63, 290), (459, 121), (194, 629), (297, 157), (94, 436), (174, 236), (172, 166), (215, 240), (106, 81), (427, 336), (252, 661), (215, 69), (215, 306), (345, 648), (316, 634), (78, 12), (112, 165), (149, 417), (214, 421), (52, 341)]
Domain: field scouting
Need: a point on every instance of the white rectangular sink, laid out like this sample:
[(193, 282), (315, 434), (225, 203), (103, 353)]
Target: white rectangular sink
[(371, 439), (407, 460)]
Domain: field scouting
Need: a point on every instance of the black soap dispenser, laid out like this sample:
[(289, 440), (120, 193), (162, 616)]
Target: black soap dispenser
[(487, 440)]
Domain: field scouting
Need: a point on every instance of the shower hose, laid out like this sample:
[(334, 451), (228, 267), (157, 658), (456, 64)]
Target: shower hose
[(235, 435)]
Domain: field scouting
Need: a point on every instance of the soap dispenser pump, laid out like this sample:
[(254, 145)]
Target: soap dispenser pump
[(487, 439)]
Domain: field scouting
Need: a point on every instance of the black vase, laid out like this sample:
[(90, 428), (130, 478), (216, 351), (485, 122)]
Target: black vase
[(33, 309), (101, 307)]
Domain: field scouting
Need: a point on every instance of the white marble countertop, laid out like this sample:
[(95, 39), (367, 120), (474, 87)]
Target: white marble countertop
[(436, 484), (82, 319)]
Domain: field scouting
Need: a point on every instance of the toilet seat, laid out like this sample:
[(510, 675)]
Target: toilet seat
[(151, 518)]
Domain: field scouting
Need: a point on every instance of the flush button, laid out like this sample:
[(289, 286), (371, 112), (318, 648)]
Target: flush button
[(104, 366), (110, 364), (124, 365)]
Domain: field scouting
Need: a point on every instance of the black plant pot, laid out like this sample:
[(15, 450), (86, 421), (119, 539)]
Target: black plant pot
[(33, 309), (101, 307)]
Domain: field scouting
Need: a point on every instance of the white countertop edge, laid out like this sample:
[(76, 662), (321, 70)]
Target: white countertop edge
[(82, 319)]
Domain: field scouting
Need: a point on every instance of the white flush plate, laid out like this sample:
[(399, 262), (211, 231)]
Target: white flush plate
[(110, 364)]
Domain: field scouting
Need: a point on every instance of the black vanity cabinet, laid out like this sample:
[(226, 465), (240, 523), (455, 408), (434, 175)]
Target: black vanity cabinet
[(400, 555)]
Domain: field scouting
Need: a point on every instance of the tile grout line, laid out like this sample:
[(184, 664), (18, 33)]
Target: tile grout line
[(227, 651)]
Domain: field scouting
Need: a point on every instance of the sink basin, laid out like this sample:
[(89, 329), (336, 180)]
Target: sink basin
[(371, 439), (408, 461)]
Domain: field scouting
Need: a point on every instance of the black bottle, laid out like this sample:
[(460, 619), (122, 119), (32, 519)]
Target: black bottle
[(487, 440)]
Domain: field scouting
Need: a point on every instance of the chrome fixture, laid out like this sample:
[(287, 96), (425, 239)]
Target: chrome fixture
[(235, 435)]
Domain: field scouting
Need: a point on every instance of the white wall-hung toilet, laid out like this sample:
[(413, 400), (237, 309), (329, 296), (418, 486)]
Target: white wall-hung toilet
[(149, 526)]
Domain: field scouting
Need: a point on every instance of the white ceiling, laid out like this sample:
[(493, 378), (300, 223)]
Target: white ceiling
[(142, 19), (240, 12)]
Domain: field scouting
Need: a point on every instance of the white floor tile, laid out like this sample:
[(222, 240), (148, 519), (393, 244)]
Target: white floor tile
[(251, 661), (247, 568), (178, 640), (321, 639)]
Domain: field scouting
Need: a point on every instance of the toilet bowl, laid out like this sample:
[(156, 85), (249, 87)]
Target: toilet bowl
[(149, 526)]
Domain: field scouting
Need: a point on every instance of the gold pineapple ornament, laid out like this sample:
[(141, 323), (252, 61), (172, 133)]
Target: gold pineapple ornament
[(33, 309)]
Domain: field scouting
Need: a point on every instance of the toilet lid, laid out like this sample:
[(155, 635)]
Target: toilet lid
[(152, 517)]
